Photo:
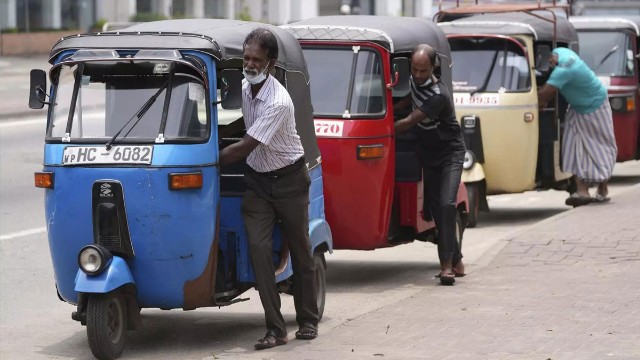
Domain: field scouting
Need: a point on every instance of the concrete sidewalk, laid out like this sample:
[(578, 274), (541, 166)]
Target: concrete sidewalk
[(566, 288)]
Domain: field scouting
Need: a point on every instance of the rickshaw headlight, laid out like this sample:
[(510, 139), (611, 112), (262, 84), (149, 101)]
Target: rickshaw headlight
[(93, 259), (618, 103), (469, 160)]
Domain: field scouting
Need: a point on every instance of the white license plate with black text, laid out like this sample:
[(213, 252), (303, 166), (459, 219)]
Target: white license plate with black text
[(121, 154)]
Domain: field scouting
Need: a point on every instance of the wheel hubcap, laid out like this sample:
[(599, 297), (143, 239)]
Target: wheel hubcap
[(114, 321)]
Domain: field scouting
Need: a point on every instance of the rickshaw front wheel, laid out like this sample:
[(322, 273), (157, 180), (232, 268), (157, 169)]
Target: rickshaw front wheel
[(321, 281), (107, 324)]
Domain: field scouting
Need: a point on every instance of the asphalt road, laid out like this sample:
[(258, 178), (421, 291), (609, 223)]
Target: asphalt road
[(34, 324)]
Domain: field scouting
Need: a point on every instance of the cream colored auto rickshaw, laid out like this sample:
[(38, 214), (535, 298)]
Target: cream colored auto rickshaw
[(500, 59)]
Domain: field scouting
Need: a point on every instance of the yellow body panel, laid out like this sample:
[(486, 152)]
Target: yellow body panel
[(474, 174), (510, 144)]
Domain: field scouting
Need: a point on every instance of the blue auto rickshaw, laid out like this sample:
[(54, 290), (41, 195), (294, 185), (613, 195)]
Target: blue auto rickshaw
[(139, 213)]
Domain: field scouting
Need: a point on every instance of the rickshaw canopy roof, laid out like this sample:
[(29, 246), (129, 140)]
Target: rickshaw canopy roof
[(610, 22), (461, 11), (396, 34), (540, 26), (221, 38)]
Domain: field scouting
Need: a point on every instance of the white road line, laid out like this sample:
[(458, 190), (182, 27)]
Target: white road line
[(22, 233)]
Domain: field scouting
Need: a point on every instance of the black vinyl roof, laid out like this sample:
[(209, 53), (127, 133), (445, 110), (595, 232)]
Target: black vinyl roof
[(515, 23), (220, 38), (609, 22), (396, 34)]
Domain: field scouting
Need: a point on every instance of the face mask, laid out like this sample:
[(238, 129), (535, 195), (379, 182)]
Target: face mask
[(254, 79)]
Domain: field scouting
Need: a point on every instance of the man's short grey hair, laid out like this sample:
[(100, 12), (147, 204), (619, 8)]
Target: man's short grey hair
[(265, 39)]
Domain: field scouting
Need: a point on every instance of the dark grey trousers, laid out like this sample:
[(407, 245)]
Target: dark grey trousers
[(440, 193), (285, 198)]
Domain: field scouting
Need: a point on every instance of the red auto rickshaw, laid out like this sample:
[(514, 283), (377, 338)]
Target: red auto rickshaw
[(610, 45), (359, 67)]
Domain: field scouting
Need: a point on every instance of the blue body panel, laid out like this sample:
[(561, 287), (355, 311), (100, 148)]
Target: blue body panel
[(114, 276), (233, 236), (172, 232)]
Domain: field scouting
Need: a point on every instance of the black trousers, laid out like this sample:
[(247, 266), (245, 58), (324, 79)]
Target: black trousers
[(441, 184), (282, 195)]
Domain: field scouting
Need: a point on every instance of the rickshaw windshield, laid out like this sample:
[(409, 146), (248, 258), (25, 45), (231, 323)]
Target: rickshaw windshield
[(345, 81), (489, 64), (605, 52), (139, 101)]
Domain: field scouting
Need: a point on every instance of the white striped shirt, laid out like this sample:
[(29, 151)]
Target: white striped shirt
[(419, 95), (270, 119)]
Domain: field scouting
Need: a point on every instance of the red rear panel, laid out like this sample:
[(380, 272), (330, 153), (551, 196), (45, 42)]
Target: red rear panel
[(626, 124), (358, 193)]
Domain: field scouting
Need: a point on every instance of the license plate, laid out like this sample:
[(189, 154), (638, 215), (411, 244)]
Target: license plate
[(79, 155)]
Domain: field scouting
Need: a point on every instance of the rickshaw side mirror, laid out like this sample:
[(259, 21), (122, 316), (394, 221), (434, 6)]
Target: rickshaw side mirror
[(401, 67), (543, 54), (37, 89), (231, 89)]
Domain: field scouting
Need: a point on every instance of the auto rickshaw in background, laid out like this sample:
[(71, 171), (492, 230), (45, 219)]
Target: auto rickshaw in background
[(610, 45), (359, 67), (500, 60), (138, 212)]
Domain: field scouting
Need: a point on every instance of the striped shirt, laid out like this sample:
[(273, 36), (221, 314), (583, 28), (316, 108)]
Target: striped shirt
[(419, 96), (439, 133), (269, 118)]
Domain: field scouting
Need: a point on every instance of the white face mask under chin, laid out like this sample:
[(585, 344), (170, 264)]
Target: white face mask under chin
[(254, 79)]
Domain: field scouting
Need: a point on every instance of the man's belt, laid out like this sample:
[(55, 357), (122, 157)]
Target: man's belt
[(282, 171)]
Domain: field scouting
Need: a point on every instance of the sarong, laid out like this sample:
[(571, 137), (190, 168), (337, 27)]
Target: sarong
[(588, 145)]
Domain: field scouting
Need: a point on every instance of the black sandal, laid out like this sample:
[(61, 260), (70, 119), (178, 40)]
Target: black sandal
[(270, 340), (306, 332), (447, 278)]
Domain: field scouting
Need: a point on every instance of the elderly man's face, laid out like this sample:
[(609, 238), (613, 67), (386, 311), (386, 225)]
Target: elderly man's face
[(255, 59)]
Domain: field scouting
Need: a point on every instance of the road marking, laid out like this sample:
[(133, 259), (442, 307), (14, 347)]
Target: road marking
[(22, 233), (39, 121)]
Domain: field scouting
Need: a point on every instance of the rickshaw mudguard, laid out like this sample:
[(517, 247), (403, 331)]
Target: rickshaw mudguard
[(319, 234), (319, 230), (475, 173), (115, 275)]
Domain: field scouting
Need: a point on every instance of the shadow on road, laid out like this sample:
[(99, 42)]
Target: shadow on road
[(625, 180), (178, 334), (374, 276), (511, 215)]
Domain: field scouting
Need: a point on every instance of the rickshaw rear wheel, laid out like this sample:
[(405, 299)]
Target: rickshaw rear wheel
[(321, 282), (107, 324)]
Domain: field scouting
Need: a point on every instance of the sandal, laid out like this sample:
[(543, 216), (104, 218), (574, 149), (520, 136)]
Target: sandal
[(600, 198), (576, 200), (448, 278), (458, 270), (306, 332), (270, 340)]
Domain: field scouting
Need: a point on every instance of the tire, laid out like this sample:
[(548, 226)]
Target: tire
[(473, 194), (107, 324), (321, 282)]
